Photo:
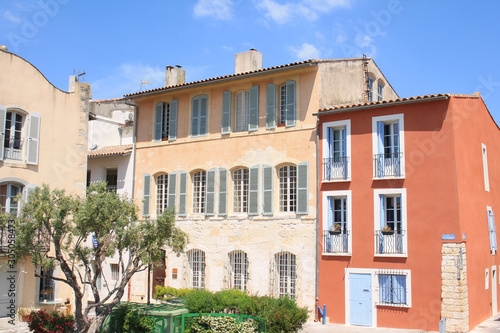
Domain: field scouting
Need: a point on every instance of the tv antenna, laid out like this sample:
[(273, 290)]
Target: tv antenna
[(143, 83), (79, 75)]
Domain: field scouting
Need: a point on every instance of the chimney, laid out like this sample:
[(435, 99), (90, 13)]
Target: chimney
[(247, 61), (174, 76)]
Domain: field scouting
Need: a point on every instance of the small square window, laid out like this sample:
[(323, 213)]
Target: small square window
[(115, 272)]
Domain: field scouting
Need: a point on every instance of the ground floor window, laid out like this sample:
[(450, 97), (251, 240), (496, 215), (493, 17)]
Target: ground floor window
[(393, 288), (238, 261), (285, 274), (46, 286), (8, 198), (196, 259)]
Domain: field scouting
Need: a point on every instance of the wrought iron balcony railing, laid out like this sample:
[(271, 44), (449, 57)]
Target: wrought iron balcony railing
[(389, 242), (336, 243), (14, 149), (388, 165), (335, 168)]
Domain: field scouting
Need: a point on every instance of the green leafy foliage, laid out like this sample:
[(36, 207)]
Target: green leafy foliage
[(222, 324), (50, 322), (166, 293), (131, 321), (199, 301)]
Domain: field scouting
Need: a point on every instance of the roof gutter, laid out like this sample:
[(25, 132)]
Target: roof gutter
[(226, 79), (363, 107)]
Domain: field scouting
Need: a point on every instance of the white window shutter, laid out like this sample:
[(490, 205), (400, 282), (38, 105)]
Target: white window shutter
[(3, 113), (267, 190), (290, 104), (303, 188), (226, 112), (210, 207), (28, 190), (182, 193), (271, 106), (146, 202), (172, 189), (222, 192), (253, 191), (33, 139), (253, 109), (172, 124), (158, 121)]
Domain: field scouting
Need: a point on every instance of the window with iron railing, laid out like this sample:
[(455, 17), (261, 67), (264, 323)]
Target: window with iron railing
[(336, 150), (394, 288), (388, 147), (390, 219)]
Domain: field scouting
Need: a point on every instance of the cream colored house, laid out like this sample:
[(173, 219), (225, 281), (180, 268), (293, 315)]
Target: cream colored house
[(43, 133), (236, 156)]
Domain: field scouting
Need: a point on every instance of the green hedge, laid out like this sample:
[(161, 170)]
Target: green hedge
[(281, 314)]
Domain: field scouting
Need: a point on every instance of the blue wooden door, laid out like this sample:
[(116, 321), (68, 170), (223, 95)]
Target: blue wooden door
[(360, 299)]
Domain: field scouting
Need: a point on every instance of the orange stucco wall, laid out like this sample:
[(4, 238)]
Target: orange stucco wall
[(445, 195)]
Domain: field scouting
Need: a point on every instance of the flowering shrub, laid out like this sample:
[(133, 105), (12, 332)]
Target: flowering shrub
[(53, 322), (222, 324)]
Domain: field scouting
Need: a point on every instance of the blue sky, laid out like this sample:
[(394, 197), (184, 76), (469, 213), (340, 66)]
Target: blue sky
[(422, 47)]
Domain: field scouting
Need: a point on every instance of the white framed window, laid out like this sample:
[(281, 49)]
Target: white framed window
[(394, 288), (285, 274), (287, 176), (165, 125), (240, 190), (369, 88), (19, 139), (492, 230), (486, 279), (199, 192), (161, 192), (46, 286), (238, 263), (196, 259), (241, 108), (388, 146), (115, 272), (287, 104), (336, 144), (485, 168), (337, 222), (380, 91), (8, 198), (199, 115), (390, 222)]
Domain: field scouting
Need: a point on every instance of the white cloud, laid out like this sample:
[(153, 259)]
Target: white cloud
[(282, 13), (219, 9), (9, 16), (306, 51)]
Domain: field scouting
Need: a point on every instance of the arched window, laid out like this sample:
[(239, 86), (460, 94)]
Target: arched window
[(288, 188), (196, 259), (238, 263), (8, 198), (240, 190), (161, 192), (199, 192), (285, 274), (380, 90)]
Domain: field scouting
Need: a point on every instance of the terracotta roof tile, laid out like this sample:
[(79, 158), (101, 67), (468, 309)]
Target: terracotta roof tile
[(110, 151)]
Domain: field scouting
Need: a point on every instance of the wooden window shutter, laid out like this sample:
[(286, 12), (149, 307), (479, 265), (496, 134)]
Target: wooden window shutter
[(253, 191), (172, 189), (172, 125), (253, 109), (182, 193), (290, 104), (222, 191), (146, 195), (3, 114), (33, 139), (303, 188), (267, 190), (271, 106), (158, 121), (226, 112), (195, 117), (210, 207), (203, 115)]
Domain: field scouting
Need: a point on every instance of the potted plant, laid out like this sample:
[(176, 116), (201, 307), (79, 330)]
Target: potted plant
[(47, 292), (387, 231), (335, 229), (23, 314)]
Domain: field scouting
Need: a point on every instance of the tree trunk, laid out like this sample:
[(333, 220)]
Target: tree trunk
[(81, 324)]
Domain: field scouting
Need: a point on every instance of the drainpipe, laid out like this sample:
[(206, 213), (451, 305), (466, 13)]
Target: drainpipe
[(317, 217), (136, 115)]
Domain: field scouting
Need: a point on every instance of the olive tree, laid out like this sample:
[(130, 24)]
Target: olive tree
[(82, 233)]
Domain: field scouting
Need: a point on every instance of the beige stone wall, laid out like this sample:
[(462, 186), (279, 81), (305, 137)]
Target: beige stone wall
[(454, 291)]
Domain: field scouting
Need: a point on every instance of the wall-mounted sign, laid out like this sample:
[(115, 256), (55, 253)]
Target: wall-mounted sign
[(448, 236)]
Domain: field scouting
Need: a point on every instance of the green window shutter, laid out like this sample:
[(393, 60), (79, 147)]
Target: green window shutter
[(158, 121), (203, 115), (172, 124), (33, 139), (271, 106), (253, 191), (253, 109), (222, 191), (3, 114), (195, 117), (210, 207), (226, 112), (146, 195), (182, 193), (303, 188), (290, 104), (172, 189), (267, 189)]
